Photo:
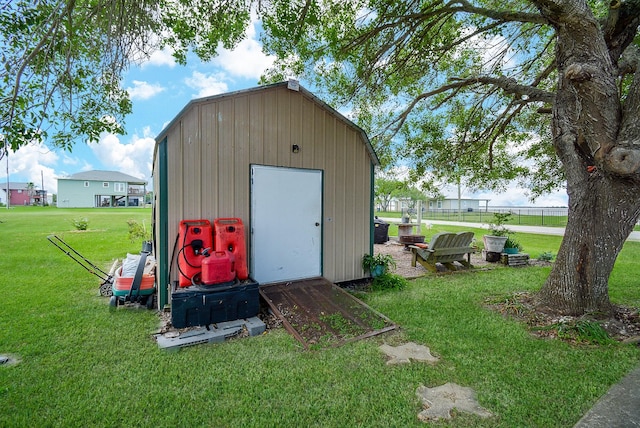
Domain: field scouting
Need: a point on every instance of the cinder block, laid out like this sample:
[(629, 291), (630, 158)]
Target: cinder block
[(214, 333)]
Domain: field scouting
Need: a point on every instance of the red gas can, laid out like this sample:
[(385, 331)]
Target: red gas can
[(219, 267), (194, 237), (229, 236)]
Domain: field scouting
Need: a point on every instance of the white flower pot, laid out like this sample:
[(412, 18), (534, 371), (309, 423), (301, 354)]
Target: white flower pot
[(495, 244)]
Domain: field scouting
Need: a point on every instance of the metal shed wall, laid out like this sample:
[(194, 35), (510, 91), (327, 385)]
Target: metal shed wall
[(211, 144)]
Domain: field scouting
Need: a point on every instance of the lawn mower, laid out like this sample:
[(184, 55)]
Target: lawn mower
[(106, 287), (116, 284)]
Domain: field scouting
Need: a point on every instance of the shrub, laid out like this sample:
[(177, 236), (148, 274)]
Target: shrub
[(547, 256), (388, 281), (80, 223), (497, 226), (138, 231)]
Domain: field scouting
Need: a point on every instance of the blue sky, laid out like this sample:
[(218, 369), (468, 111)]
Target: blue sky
[(159, 89)]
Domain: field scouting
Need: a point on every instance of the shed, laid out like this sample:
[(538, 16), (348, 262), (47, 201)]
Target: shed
[(296, 172)]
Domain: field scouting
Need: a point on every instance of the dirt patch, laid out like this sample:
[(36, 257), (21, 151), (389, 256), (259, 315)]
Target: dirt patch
[(622, 326)]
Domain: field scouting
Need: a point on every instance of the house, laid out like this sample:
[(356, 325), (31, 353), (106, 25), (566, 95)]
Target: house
[(296, 173), (442, 205), (94, 189), (24, 194), (455, 204)]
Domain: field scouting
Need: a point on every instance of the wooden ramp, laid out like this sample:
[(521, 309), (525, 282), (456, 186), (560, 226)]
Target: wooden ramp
[(318, 313)]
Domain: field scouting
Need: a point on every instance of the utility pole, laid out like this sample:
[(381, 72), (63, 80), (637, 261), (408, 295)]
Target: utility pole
[(459, 201), (6, 153)]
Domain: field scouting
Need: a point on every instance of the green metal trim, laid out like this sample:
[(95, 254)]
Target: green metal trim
[(164, 263), (372, 229)]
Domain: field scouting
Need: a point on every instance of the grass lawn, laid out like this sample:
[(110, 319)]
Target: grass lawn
[(483, 217), (82, 365)]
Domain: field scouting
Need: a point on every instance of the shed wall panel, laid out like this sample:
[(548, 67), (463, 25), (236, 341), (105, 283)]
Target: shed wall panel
[(191, 146), (270, 133), (256, 135), (209, 158)]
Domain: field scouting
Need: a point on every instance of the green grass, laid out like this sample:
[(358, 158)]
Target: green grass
[(82, 365)]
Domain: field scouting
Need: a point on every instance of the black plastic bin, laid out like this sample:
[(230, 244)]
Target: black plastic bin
[(381, 233), (201, 306)]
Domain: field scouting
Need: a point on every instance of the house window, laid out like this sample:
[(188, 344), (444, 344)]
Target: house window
[(86, 184), (105, 184), (119, 187), (439, 204)]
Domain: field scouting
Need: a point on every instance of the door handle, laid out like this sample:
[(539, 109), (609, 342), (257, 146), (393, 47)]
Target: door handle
[(317, 224)]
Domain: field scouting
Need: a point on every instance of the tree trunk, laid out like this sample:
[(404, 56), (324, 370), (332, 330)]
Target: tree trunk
[(602, 213), (596, 138)]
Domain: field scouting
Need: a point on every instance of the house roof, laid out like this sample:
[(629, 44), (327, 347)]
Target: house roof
[(104, 176), (305, 92), (14, 185)]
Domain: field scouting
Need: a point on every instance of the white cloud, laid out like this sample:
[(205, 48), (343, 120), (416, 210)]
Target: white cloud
[(144, 90), (206, 84), (160, 58), (247, 60), (69, 160), (134, 158), (32, 163)]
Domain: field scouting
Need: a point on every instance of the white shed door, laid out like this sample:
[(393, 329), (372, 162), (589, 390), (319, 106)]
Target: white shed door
[(286, 224)]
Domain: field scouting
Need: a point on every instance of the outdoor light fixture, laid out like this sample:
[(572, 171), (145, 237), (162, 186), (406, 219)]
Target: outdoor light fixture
[(295, 148)]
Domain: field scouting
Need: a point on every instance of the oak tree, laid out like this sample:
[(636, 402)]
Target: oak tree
[(545, 91)]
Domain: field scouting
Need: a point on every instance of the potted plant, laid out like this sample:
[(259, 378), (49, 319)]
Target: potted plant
[(378, 264), (512, 246), (498, 233)]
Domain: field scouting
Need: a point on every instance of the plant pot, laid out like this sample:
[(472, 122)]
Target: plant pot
[(494, 244), (510, 250), (377, 270)]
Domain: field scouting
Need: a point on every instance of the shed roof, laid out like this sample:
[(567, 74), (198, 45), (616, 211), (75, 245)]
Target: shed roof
[(104, 176), (303, 91)]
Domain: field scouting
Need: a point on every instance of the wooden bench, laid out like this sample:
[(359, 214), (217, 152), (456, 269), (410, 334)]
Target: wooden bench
[(444, 248)]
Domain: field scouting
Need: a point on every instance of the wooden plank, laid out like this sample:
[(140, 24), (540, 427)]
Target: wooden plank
[(308, 306), (451, 251), (519, 259)]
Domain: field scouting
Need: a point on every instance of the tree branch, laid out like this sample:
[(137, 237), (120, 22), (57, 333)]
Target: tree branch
[(498, 15), (525, 94), (435, 14), (621, 26), (510, 86)]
